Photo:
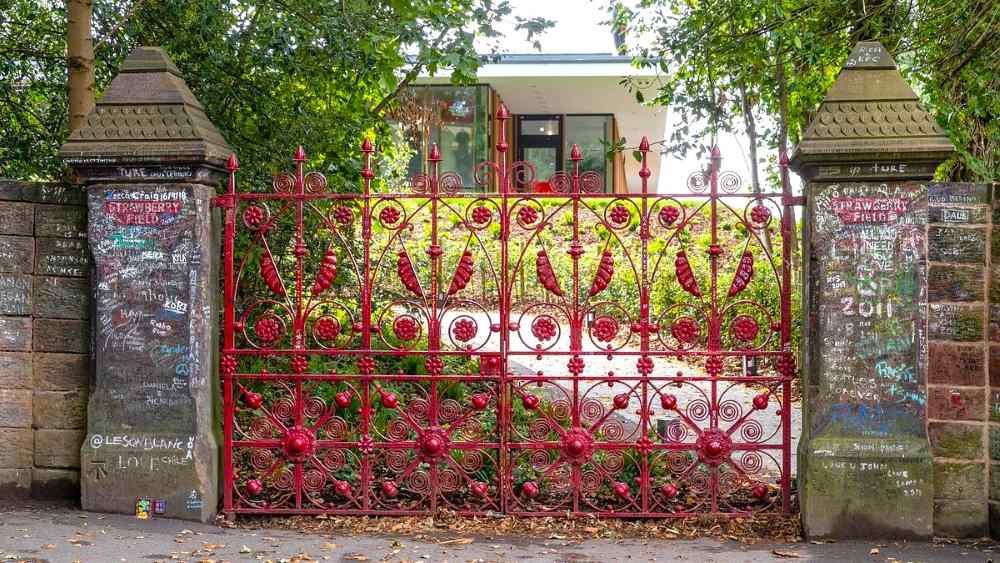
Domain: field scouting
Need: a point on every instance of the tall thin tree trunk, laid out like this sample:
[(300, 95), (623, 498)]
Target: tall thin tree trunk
[(782, 80), (751, 128), (79, 61)]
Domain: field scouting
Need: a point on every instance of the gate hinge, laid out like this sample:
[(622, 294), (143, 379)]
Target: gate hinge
[(226, 201)]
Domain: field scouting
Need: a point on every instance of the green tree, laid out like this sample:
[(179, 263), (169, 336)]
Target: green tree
[(271, 75), (760, 66)]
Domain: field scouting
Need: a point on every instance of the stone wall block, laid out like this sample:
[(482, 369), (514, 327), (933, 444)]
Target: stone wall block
[(17, 218), (956, 440), (17, 448), (15, 483), (948, 282), (15, 334), (959, 481), (15, 294), (62, 298), (58, 448), (961, 518), (956, 403), (61, 372), (61, 221), (62, 335), (60, 410), (15, 408), (62, 257), (15, 370), (17, 254), (965, 245), (958, 323), (957, 364), (54, 483)]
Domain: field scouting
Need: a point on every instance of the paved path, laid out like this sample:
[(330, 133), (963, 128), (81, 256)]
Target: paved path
[(60, 534)]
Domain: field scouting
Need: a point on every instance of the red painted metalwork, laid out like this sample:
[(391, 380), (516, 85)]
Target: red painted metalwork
[(498, 352)]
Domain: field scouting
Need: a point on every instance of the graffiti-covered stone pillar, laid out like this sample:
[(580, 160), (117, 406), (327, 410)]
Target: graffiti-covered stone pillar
[(150, 160), (865, 466)]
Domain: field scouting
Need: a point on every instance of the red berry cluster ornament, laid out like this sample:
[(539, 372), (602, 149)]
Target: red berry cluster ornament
[(527, 215), (760, 214), (299, 364), (464, 330), (543, 328), (685, 330), (389, 216), (481, 215), (745, 328), (405, 327), (668, 215), (268, 329), (605, 329), (620, 215), (327, 328), (254, 216), (343, 214), (228, 365)]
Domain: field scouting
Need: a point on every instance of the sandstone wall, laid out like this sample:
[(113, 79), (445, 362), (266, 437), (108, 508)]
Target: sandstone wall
[(44, 338)]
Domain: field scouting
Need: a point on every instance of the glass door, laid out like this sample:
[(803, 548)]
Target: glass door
[(539, 142)]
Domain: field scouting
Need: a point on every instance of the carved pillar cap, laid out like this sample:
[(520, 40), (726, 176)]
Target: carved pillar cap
[(148, 125), (871, 114)]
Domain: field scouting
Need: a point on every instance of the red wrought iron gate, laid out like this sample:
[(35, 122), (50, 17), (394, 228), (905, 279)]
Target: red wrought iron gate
[(495, 351)]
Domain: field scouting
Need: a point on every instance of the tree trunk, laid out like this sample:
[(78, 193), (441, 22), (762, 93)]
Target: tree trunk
[(79, 61)]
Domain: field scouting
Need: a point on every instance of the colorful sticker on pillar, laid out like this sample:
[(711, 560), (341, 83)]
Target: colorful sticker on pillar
[(159, 506), (194, 501), (143, 507)]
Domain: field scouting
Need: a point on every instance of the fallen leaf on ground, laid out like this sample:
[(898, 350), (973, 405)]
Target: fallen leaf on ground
[(245, 549), (355, 557), (873, 551), (786, 553), (456, 541)]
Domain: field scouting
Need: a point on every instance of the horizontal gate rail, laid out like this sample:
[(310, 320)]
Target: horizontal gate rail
[(573, 352)]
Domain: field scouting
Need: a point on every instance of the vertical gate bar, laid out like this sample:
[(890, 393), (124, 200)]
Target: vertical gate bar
[(644, 323), (366, 312), (433, 323), (505, 289), (297, 334), (576, 320), (714, 340), (228, 336), (787, 228)]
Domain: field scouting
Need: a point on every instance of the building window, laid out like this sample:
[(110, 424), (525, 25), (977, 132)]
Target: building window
[(546, 142), (454, 117), (592, 133)]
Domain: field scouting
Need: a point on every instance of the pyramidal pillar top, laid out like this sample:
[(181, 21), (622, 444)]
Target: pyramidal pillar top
[(871, 114)]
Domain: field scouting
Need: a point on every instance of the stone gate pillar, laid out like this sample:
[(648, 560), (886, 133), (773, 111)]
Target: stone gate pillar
[(865, 466), (150, 160)]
